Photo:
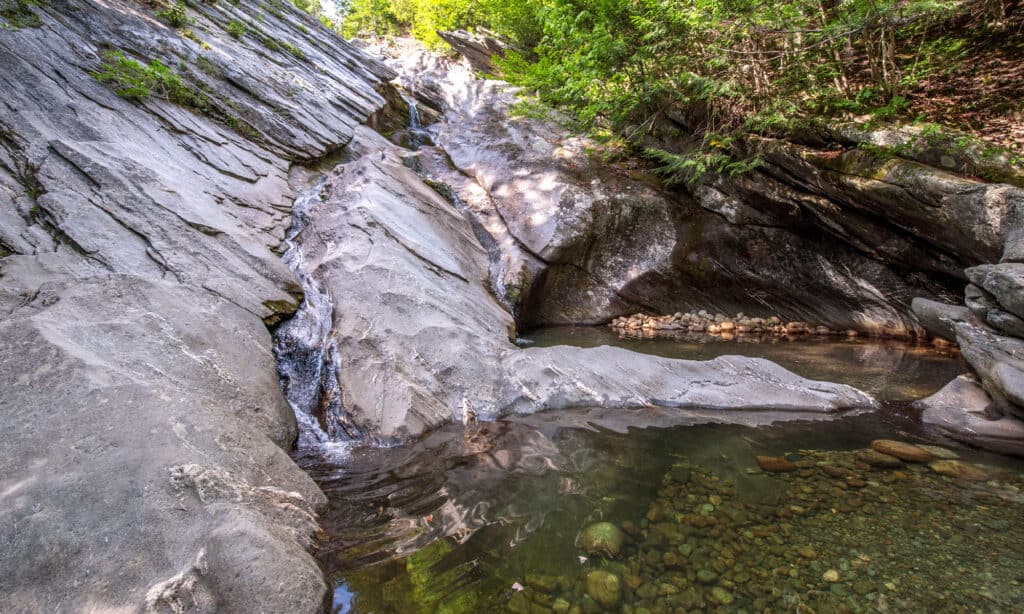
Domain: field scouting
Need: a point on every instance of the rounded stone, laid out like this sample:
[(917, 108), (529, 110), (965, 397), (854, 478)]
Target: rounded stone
[(602, 538), (604, 588), (902, 450), (830, 576), (878, 459), (707, 576), (961, 470), (775, 464), (721, 596), (940, 452)]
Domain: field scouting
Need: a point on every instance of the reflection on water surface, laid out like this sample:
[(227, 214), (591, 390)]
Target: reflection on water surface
[(489, 520)]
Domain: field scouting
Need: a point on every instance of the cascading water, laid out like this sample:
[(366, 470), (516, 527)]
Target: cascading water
[(307, 356), (418, 136)]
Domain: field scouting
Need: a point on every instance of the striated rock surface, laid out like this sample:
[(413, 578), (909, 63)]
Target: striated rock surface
[(422, 339), (144, 463)]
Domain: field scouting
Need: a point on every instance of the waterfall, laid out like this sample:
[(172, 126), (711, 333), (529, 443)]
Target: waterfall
[(306, 353), (418, 136)]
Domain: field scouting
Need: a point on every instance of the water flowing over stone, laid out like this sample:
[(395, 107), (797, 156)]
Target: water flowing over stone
[(307, 355)]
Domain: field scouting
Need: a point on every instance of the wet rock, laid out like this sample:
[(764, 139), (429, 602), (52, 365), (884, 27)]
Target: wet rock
[(939, 452), (938, 317), (878, 459), (721, 596), (960, 409), (775, 464), (479, 48), (961, 470), (830, 575), (997, 359), (1004, 281), (707, 576), (604, 588), (602, 538), (545, 584), (904, 451)]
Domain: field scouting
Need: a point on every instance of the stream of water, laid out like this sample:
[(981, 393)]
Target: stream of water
[(490, 520)]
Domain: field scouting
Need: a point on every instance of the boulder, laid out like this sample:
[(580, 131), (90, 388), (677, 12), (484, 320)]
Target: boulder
[(479, 48), (999, 362), (604, 587), (937, 318), (1004, 282), (960, 411), (902, 450), (411, 278), (602, 538)]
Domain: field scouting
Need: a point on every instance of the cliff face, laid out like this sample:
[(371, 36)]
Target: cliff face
[(144, 462), (844, 235)]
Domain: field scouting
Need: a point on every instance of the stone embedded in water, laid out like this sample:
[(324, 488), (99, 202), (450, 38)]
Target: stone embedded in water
[(830, 576), (544, 584), (902, 450), (721, 596), (680, 474), (560, 606), (878, 459), (940, 452), (775, 464), (604, 588), (707, 576), (602, 538), (519, 603), (961, 470)]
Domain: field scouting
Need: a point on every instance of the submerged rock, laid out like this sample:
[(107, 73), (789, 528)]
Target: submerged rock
[(775, 464), (602, 538), (902, 450), (604, 588), (878, 459), (961, 470)]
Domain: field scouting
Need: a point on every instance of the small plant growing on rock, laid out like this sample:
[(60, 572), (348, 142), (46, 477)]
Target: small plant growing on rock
[(175, 15), (19, 14), (134, 80), (236, 28)]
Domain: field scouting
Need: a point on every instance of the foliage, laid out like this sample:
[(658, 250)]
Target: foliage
[(686, 69), (20, 14), (175, 15), (423, 18), (236, 28), (134, 80)]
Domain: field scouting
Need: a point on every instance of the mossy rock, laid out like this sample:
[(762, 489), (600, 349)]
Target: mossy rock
[(603, 538)]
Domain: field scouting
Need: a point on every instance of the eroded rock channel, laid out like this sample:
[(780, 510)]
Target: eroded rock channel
[(149, 242)]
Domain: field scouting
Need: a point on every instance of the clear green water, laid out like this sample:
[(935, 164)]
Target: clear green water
[(460, 523)]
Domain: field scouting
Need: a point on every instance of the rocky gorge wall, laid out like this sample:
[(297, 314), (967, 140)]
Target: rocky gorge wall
[(842, 229), (872, 230), (144, 204), (145, 463)]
